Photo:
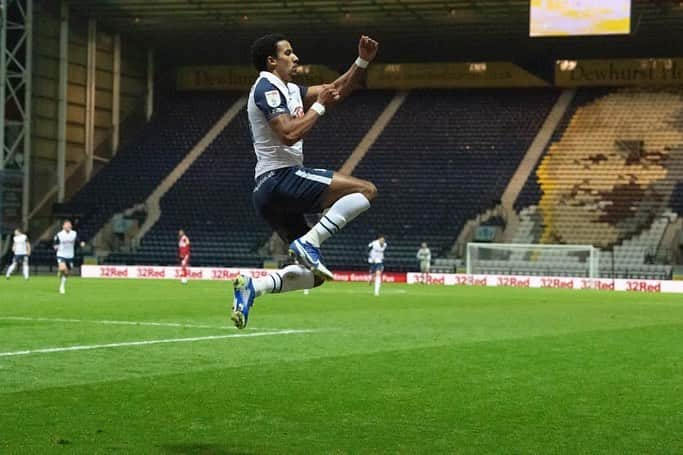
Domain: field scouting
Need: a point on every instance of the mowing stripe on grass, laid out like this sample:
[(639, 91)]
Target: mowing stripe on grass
[(147, 342), (140, 323)]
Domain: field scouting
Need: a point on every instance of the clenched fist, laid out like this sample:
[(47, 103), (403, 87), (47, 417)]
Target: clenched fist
[(367, 48)]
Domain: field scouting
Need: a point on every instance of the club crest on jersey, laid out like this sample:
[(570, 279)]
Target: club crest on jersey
[(273, 98)]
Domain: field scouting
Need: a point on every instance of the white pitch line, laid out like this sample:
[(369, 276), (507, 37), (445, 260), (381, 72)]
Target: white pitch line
[(147, 342), (141, 323)]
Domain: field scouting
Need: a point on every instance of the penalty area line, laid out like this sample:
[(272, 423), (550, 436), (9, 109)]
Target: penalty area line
[(148, 342)]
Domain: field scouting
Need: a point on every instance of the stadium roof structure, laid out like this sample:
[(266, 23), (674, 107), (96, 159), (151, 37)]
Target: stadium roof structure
[(202, 30)]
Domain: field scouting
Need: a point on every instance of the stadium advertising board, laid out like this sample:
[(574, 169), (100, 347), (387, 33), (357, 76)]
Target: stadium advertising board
[(387, 277), (401, 76), (620, 72), (229, 77), (603, 284), (241, 77), (150, 272), (406, 76), (443, 279)]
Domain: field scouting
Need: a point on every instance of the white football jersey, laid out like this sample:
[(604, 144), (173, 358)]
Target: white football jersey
[(424, 254), (268, 98), (20, 242), (376, 255), (66, 243)]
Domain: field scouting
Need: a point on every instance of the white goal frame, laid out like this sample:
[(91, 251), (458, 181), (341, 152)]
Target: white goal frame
[(522, 249)]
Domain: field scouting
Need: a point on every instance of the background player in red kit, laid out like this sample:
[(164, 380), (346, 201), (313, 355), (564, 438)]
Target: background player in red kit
[(184, 255)]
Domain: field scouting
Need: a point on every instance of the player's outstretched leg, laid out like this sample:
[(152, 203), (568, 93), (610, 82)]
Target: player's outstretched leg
[(291, 278), (63, 274), (10, 269), (243, 287), (346, 197), (378, 282)]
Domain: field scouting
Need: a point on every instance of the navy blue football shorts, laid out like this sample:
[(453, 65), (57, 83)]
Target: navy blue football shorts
[(289, 197), (376, 267)]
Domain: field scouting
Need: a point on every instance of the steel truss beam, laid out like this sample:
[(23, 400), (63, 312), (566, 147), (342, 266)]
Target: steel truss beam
[(16, 43)]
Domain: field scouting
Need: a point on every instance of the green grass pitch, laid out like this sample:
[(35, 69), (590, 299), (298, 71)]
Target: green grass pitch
[(417, 370)]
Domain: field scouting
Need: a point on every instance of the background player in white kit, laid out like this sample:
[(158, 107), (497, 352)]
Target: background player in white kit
[(424, 256), (376, 260), (65, 245), (22, 250)]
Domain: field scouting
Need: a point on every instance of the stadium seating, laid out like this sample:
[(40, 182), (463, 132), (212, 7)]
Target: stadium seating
[(531, 192), (178, 124), (609, 178), (444, 158), (212, 200)]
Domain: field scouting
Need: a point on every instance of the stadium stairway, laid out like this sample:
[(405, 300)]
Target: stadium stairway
[(373, 133), (140, 166), (152, 207), (514, 186), (536, 150), (153, 201)]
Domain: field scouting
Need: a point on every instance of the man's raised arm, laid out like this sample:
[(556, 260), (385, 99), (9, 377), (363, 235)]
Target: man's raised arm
[(353, 78)]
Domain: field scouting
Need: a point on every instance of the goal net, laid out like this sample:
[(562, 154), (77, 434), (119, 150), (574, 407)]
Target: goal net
[(532, 259)]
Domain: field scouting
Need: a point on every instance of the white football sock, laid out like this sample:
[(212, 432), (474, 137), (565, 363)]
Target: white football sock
[(291, 278), (25, 269), (62, 281), (378, 282), (11, 268), (342, 212)]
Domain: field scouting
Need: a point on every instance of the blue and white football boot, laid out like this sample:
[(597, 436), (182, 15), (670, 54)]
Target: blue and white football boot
[(243, 301), (309, 256)]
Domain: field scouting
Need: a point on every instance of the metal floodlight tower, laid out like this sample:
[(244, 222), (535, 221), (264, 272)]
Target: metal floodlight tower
[(16, 24)]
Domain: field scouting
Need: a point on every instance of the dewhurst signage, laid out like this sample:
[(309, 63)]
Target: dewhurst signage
[(622, 72)]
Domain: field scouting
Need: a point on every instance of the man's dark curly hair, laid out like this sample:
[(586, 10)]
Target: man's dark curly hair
[(264, 47)]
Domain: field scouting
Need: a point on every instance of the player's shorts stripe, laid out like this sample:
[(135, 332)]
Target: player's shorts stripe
[(316, 178)]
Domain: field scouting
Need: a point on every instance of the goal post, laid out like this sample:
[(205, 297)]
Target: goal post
[(532, 259)]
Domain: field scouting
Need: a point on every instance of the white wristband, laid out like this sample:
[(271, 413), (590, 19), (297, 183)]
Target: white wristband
[(361, 63), (318, 108)]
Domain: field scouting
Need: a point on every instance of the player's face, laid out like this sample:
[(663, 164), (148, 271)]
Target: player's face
[(181, 233), (286, 61), (66, 226)]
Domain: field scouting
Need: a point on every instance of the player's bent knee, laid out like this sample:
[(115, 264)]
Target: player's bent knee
[(369, 190)]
